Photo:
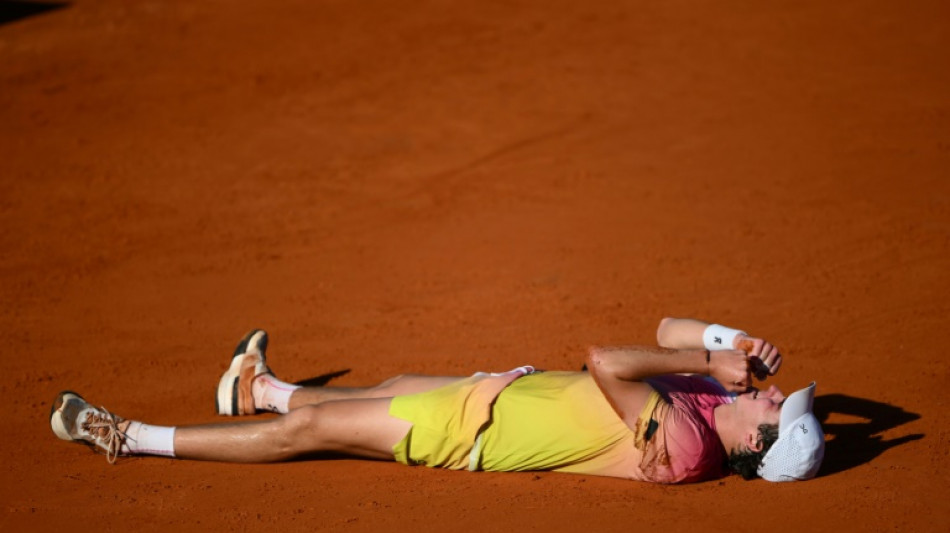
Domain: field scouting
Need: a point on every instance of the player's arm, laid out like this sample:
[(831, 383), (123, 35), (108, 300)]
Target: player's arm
[(692, 334), (681, 333), (620, 371), (636, 363)]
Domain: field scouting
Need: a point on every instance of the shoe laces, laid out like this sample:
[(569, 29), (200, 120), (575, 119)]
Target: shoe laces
[(103, 426)]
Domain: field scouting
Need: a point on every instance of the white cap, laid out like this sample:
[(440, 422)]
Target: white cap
[(797, 454)]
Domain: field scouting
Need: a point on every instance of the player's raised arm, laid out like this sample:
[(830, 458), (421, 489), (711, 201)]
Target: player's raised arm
[(692, 334), (619, 372), (681, 333), (609, 365)]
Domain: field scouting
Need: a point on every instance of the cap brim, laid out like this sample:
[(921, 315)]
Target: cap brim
[(797, 404)]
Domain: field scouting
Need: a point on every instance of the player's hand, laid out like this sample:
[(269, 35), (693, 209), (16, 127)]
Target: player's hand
[(765, 358), (732, 369)]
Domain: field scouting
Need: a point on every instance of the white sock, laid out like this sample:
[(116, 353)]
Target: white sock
[(143, 439), (272, 394)]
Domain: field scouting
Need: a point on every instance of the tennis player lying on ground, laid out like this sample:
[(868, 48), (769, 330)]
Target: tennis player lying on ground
[(634, 414)]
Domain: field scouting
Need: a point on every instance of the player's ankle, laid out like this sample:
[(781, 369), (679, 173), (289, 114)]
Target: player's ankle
[(143, 439), (272, 394)]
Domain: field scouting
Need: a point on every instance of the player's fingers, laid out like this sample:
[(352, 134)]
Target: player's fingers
[(774, 358), (747, 372), (733, 368), (763, 356), (773, 368), (742, 384), (768, 355)]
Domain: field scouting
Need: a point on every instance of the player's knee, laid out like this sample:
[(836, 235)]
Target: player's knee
[(300, 430)]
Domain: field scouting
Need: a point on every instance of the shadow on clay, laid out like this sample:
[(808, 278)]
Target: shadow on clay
[(856, 443), (323, 379), (11, 11)]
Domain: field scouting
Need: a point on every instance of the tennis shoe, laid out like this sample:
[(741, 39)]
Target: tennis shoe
[(74, 419), (234, 395)]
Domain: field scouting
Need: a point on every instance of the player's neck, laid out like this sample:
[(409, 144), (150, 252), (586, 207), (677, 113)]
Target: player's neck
[(727, 426)]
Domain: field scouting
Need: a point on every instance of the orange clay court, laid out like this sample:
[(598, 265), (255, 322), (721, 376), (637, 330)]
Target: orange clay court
[(448, 187)]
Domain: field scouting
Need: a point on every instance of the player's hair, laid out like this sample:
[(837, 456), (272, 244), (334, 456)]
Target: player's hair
[(746, 462)]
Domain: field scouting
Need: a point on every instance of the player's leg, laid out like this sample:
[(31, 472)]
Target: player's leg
[(396, 386), (357, 427), (361, 427), (249, 386)]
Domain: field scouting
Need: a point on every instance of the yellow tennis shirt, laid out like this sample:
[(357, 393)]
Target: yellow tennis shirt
[(561, 421)]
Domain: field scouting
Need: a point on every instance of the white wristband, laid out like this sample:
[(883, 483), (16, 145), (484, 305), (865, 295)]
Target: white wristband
[(717, 337)]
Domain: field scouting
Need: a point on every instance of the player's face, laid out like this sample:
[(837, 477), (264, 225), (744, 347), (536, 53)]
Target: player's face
[(761, 407)]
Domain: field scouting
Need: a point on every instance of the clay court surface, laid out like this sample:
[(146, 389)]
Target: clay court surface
[(446, 187)]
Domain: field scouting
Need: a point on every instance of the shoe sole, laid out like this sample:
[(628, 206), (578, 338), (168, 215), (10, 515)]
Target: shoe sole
[(56, 421), (247, 354), (256, 339)]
